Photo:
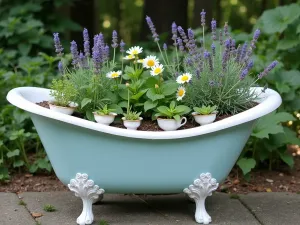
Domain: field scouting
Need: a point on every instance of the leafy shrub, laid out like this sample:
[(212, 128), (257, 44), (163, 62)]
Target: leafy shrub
[(206, 110), (63, 92), (172, 112)]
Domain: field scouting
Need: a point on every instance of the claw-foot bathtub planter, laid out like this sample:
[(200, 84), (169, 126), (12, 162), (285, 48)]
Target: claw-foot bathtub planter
[(128, 161)]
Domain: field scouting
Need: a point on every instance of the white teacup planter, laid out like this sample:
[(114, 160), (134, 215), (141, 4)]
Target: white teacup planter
[(204, 119), (171, 124), (65, 110), (105, 119), (132, 124)]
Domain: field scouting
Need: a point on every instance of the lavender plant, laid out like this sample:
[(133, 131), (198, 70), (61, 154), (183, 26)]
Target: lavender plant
[(216, 76)]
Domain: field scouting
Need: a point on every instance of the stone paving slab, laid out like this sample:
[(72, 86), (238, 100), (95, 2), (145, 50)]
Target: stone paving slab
[(11, 213), (137, 209), (274, 208)]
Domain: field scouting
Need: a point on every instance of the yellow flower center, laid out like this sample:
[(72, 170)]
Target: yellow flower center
[(180, 92), (157, 70), (150, 62), (114, 75), (185, 78), (135, 52)]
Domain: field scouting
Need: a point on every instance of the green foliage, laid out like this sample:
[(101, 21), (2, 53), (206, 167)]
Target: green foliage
[(105, 111), (131, 115), (21, 202), (103, 222), (206, 110), (271, 135), (63, 92), (25, 29), (49, 208), (172, 112)]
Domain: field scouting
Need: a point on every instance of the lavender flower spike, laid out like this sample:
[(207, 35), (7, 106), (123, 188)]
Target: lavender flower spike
[(243, 52), (60, 67), (226, 33), (243, 74), (122, 45), (268, 69), (206, 54), (203, 18), (182, 34), (165, 47), (74, 52), (221, 37), (180, 44), (214, 29), (255, 38), (250, 64), (213, 49), (152, 28), (86, 42), (114, 39), (58, 47)]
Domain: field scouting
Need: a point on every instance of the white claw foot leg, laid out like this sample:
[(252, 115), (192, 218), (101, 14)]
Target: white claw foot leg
[(88, 192), (202, 187)]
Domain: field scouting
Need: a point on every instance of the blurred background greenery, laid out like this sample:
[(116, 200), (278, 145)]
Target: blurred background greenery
[(27, 59)]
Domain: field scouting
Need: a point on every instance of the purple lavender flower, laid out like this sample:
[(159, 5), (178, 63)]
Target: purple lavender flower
[(58, 47), (198, 73), (106, 53), (122, 45), (174, 32), (182, 34), (267, 69), (82, 60), (227, 44), (256, 35), (232, 45), (226, 33), (188, 61), (74, 52), (250, 64), (213, 49), (192, 42), (214, 29), (243, 52), (225, 58), (152, 29), (97, 54), (60, 67), (211, 83), (238, 54), (203, 18), (114, 39), (180, 44), (86, 42), (206, 54), (165, 47), (243, 74)]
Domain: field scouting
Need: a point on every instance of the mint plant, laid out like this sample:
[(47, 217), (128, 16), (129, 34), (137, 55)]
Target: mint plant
[(131, 115), (104, 111), (63, 91), (172, 112)]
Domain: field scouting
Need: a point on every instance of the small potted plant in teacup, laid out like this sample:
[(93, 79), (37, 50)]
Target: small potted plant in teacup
[(205, 114), (63, 92), (132, 120), (169, 118), (105, 115)]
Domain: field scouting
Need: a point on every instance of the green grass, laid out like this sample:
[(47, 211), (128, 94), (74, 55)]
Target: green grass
[(49, 208), (103, 222), (38, 223), (234, 196), (21, 202)]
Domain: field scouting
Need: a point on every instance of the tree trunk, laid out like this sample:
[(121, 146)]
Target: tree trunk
[(208, 8), (163, 13)]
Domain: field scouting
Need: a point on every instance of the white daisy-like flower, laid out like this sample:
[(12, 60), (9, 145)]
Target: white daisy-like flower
[(180, 93), (114, 74), (184, 78), (150, 61), (140, 61), (135, 50), (128, 57), (157, 69)]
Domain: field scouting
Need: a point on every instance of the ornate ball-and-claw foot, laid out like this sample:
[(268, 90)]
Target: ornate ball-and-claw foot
[(88, 192), (202, 187)]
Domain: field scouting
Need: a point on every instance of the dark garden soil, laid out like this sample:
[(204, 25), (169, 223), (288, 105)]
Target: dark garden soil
[(279, 180), (146, 125)]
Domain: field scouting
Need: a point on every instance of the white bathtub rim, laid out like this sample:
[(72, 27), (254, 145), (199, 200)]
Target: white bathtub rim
[(269, 101)]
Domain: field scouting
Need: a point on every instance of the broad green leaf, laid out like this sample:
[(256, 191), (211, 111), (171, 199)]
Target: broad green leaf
[(123, 104), (246, 164), (169, 88), (278, 19), (176, 117), (1, 143), (33, 168), (149, 105), (18, 163), (20, 116), (24, 49), (13, 153), (298, 29), (89, 115), (85, 101), (172, 105), (287, 158), (291, 77), (164, 110), (182, 109), (129, 69), (139, 94), (151, 93), (282, 88), (151, 81), (117, 108), (287, 44), (287, 137)]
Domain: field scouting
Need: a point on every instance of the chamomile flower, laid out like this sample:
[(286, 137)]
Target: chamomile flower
[(150, 61), (134, 50), (180, 93), (140, 61), (157, 69), (184, 78), (114, 74), (128, 57)]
